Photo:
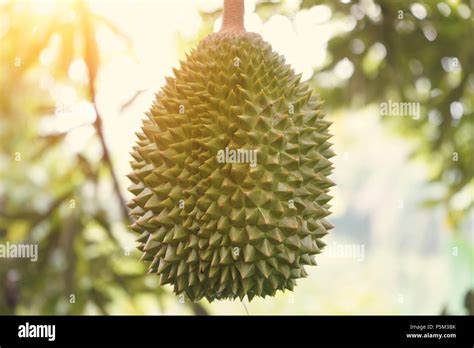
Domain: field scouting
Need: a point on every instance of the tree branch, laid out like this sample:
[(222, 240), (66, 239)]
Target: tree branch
[(108, 161)]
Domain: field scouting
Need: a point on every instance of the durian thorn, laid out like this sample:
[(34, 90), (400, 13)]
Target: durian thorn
[(233, 16)]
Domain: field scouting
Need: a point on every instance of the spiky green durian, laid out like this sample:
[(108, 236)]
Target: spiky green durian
[(226, 230)]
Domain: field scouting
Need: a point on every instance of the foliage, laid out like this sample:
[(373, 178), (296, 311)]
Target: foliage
[(51, 196), (409, 51), (71, 203)]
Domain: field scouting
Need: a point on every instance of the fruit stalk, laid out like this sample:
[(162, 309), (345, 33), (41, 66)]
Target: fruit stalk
[(233, 17)]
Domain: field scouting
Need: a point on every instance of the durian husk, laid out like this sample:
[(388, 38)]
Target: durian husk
[(229, 230)]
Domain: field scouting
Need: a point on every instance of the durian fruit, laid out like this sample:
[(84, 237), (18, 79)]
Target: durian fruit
[(226, 230)]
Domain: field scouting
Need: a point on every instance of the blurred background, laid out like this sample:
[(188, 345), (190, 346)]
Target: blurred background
[(77, 76)]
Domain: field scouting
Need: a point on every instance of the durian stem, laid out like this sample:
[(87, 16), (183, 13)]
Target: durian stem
[(233, 17)]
